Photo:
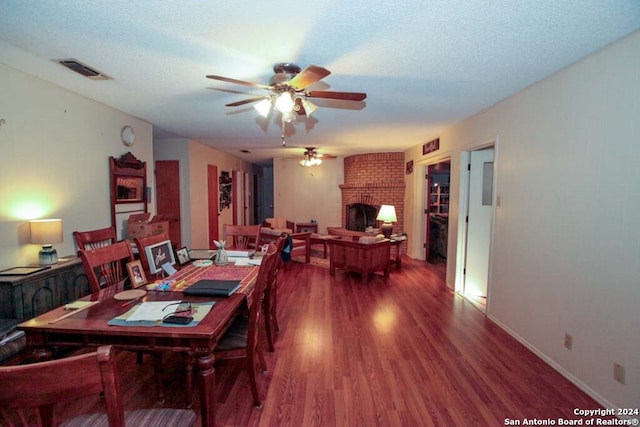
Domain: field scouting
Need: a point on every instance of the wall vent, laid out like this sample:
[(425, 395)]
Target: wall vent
[(80, 68)]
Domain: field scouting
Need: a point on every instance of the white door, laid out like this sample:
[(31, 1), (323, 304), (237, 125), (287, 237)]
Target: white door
[(479, 223)]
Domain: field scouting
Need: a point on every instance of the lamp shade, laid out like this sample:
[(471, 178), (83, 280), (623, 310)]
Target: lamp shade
[(46, 231), (387, 213)]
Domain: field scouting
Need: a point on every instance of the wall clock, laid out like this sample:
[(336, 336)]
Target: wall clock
[(128, 136)]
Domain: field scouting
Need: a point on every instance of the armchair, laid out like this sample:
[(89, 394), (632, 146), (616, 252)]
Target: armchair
[(272, 228), (366, 256)]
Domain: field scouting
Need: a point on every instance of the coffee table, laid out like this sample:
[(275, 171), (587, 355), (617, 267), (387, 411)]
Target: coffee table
[(322, 239)]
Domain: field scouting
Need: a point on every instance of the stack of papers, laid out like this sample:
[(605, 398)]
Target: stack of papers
[(240, 254), (154, 310)]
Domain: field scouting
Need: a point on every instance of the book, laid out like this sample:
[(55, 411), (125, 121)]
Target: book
[(213, 288)]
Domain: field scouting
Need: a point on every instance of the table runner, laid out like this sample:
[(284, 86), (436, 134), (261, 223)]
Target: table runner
[(190, 275)]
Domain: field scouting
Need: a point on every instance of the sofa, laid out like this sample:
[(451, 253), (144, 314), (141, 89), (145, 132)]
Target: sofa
[(368, 255)]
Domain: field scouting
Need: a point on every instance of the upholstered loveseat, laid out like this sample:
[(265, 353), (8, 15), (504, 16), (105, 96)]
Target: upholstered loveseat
[(366, 256)]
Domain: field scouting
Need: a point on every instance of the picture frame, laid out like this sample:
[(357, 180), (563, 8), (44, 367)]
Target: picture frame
[(182, 256), (159, 254), (136, 274)]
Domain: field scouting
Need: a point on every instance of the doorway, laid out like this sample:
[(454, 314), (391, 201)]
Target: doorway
[(479, 181), (213, 211), (168, 197), (437, 214)]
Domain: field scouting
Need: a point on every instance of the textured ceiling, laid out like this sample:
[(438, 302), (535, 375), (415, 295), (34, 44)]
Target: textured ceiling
[(424, 64)]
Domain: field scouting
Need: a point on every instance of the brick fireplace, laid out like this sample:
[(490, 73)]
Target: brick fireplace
[(373, 179)]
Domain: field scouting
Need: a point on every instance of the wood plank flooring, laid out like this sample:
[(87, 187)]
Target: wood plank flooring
[(402, 351)]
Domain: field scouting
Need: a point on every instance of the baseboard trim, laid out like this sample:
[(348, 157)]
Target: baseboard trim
[(560, 369)]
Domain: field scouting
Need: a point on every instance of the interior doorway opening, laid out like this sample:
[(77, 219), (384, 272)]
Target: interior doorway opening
[(437, 213)]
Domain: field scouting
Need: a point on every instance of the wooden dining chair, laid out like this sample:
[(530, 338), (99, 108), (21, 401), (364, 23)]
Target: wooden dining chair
[(241, 236), (106, 266), (242, 339), (31, 393), (271, 298), (142, 243), (95, 238)]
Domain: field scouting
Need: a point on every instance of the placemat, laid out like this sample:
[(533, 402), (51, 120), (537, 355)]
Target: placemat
[(198, 310)]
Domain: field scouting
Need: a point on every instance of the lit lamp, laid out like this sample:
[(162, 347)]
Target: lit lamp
[(45, 232), (387, 215)]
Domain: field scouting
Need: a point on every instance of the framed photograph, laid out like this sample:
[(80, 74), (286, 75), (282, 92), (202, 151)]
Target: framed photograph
[(136, 274), (160, 254), (183, 256)]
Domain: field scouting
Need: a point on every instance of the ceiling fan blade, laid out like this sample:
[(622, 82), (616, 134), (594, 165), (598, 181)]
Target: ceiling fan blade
[(238, 82), (245, 101), (349, 96), (308, 76)]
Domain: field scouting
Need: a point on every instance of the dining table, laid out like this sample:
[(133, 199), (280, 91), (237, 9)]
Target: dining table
[(94, 323)]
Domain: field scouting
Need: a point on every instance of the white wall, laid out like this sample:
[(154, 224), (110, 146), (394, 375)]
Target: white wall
[(54, 161), (566, 240), (306, 193)]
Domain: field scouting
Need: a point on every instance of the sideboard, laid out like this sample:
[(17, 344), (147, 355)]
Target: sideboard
[(23, 297)]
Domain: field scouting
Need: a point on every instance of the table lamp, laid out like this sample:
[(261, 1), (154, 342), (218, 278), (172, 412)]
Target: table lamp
[(387, 215), (45, 232)]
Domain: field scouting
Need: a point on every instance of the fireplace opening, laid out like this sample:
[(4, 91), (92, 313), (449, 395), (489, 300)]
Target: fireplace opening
[(360, 216)]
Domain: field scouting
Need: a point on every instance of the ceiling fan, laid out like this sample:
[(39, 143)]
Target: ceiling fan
[(288, 91), (311, 157)]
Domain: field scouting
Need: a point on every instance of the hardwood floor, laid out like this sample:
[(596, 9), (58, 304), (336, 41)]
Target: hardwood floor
[(398, 352)]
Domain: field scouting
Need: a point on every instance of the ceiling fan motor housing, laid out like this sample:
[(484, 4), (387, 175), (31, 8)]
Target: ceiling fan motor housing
[(284, 72)]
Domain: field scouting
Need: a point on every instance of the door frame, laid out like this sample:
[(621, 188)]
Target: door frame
[(421, 204), (463, 209)]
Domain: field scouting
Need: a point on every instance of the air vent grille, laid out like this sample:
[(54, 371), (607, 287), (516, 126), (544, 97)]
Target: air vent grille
[(80, 68)]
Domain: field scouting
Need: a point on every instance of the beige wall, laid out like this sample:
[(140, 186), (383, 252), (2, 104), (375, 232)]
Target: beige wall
[(194, 159), (305, 193), (54, 152), (565, 242)]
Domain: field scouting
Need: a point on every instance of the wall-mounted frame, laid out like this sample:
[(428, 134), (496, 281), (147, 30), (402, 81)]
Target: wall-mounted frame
[(225, 190), (159, 254), (128, 182), (136, 274)]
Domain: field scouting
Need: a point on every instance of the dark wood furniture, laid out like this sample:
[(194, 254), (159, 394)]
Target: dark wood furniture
[(397, 258), (128, 177), (141, 244), (301, 242), (242, 339), (241, 236), (322, 239), (25, 296), (95, 238), (107, 266), (363, 258), (307, 227), (271, 299), (72, 378), (90, 328)]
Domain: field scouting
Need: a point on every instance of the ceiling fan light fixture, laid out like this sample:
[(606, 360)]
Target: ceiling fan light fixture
[(288, 116), (284, 102), (309, 107), (263, 107), (310, 158)]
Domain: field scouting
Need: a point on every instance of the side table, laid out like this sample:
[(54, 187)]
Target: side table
[(322, 239), (307, 227), (397, 259)]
